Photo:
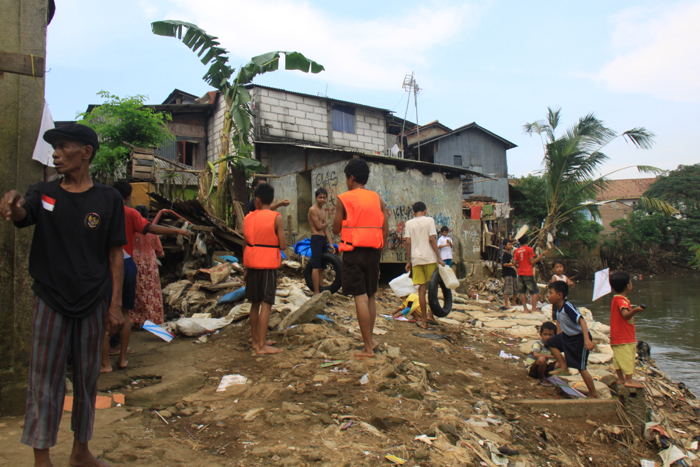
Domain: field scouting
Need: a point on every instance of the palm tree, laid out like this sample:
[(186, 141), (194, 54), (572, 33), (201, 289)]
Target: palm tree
[(573, 160), (238, 119)]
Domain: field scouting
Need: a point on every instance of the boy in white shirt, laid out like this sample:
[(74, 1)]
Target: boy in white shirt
[(444, 244), (422, 253)]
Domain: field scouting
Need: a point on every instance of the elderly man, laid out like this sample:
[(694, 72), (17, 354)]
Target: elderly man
[(76, 260)]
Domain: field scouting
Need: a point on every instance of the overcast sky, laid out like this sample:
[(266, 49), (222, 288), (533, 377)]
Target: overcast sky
[(497, 63)]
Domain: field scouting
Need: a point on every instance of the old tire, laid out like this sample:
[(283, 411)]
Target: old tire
[(331, 261), (433, 302)]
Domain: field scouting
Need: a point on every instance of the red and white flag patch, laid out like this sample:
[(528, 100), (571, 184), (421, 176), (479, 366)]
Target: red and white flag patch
[(48, 203)]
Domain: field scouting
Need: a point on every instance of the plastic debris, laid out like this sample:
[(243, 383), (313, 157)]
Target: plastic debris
[(395, 460), (365, 379), (425, 439), (158, 331), (508, 356), (420, 364), (671, 455), (230, 380), (329, 363), (648, 463)]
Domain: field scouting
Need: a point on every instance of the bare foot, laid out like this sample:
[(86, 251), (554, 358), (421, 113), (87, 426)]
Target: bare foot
[(86, 460), (525, 310), (268, 350), (365, 353), (620, 382), (122, 364), (375, 343), (634, 384), (106, 369), (250, 341)]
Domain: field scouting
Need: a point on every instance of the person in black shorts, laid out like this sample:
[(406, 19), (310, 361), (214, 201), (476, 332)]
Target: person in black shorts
[(320, 237), (361, 219), (263, 230)]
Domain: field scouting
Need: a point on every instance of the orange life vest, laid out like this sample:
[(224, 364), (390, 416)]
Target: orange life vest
[(262, 245), (363, 224)]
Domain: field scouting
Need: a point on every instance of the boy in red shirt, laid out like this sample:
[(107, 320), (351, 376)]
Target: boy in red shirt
[(525, 258), (623, 339)]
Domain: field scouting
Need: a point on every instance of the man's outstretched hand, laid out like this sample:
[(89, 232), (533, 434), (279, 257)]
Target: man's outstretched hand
[(11, 206)]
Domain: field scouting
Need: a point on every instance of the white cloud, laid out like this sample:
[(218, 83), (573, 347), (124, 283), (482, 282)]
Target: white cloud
[(657, 53), (374, 53)]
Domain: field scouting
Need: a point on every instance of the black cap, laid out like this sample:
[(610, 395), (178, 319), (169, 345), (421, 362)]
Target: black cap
[(82, 133)]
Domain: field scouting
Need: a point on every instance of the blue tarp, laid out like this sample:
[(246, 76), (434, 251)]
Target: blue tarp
[(303, 247)]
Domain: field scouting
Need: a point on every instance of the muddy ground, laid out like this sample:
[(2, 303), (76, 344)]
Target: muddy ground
[(293, 412)]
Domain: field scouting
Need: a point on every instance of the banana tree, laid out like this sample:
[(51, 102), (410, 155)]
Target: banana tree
[(238, 135), (571, 162)]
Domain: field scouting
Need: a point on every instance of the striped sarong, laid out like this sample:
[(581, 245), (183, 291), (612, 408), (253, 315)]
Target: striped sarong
[(55, 339)]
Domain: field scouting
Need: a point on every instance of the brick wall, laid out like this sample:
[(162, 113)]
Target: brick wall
[(287, 116), (611, 211)]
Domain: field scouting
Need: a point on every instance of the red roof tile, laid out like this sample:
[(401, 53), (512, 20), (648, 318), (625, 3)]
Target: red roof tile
[(631, 188)]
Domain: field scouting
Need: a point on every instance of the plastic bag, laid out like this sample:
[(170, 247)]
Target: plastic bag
[(402, 285), (448, 277)]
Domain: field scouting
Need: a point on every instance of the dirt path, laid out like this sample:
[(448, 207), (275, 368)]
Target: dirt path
[(294, 412)]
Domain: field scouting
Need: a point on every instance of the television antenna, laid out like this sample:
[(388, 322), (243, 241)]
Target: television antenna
[(410, 85)]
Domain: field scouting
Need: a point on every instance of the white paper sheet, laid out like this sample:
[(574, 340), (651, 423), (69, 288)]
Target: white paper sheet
[(602, 284)]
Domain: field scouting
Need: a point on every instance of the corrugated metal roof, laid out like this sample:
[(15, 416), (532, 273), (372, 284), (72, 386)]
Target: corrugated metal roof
[(250, 86), (401, 163), (470, 126)]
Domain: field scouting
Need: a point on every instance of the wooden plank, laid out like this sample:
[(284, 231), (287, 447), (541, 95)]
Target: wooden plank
[(138, 155), (21, 64), (144, 162), (141, 169)]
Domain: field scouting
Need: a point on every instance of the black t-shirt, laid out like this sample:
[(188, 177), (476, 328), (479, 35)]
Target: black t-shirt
[(69, 259), (508, 271), (251, 205)]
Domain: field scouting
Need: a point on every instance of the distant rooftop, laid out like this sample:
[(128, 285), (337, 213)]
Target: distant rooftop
[(631, 188)]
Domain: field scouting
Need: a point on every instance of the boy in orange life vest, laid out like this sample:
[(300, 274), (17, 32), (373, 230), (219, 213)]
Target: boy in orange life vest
[(361, 220), (264, 237)]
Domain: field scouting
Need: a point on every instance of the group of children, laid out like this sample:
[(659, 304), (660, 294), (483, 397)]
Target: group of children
[(361, 219), (567, 342), (522, 282)]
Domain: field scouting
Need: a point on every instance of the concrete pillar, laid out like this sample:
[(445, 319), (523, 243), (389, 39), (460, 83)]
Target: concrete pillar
[(22, 30)]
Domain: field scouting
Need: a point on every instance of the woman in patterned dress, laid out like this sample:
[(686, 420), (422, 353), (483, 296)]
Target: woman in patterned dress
[(149, 300)]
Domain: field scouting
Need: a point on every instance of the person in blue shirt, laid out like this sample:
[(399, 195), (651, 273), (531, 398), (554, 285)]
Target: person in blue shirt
[(572, 338)]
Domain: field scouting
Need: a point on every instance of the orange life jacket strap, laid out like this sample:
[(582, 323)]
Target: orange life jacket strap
[(264, 246)]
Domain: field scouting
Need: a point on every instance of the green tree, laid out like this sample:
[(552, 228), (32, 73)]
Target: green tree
[(529, 203), (531, 207), (118, 120), (238, 121), (638, 232), (681, 189), (571, 163)]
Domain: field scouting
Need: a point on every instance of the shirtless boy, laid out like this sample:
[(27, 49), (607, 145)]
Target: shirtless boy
[(318, 221)]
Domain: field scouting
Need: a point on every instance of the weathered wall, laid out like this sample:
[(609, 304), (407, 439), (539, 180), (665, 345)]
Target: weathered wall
[(286, 188), (22, 30), (482, 153), (612, 211), (215, 125), (399, 190), (286, 116)]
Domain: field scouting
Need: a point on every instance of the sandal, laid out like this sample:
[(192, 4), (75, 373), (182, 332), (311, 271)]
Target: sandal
[(546, 384)]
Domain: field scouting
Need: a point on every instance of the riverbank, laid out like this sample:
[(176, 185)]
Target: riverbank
[(308, 406), (670, 324)]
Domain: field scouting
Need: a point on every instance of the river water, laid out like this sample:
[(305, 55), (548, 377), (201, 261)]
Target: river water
[(670, 324)]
